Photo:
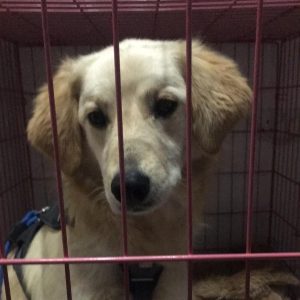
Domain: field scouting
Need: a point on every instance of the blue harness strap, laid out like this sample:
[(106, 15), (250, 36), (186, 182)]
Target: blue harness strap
[(142, 279), (23, 233)]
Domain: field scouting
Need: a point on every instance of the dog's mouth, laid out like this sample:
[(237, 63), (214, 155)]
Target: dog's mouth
[(134, 209)]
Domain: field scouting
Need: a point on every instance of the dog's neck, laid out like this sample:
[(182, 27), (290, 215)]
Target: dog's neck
[(147, 234), (162, 231)]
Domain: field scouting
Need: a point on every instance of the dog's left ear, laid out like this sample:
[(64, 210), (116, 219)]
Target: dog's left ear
[(220, 96), (39, 130)]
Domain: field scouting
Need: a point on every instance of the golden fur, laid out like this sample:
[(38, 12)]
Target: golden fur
[(89, 158)]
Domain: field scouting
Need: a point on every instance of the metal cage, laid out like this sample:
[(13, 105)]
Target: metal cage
[(254, 206)]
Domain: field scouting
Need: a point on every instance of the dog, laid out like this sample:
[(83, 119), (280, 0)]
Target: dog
[(153, 100)]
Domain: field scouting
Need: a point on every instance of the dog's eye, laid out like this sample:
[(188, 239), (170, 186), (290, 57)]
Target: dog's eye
[(97, 119), (163, 108)]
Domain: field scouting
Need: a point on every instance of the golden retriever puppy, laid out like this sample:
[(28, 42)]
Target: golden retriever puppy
[(153, 101)]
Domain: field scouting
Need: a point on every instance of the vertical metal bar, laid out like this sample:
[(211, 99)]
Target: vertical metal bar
[(293, 173), (120, 121), (220, 178), (12, 170), (293, 127), (232, 175), (46, 42), (6, 281), (256, 79), (297, 130), (155, 19), (275, 137), (247, 133), (4, 269), (291, 149), (256, 83), (115, 31), (284, 161), (3, 58), (20, 83), (19, 168), (280, 182), (3, 149), (296, 127), (258, 149), (188, 136)]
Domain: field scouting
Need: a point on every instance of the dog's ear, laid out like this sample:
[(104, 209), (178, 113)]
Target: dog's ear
[(39, 129), (220, 96)]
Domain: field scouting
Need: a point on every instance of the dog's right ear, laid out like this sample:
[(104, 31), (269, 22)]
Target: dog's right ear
[(39, 130), (220, 96)]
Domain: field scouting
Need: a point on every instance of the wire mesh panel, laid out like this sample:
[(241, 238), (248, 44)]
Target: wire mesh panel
[(15, 179), (285, 202)]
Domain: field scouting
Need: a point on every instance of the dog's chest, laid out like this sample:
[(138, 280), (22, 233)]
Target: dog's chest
[(97, 281)]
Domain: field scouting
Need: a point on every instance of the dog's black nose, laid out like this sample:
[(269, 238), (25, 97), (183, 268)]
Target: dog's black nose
[(137, 187)]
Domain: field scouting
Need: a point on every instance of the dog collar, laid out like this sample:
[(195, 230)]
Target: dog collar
[(143, 279)]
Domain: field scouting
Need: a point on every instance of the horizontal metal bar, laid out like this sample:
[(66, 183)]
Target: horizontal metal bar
[(153, 2), (81, 7), (166, 258)]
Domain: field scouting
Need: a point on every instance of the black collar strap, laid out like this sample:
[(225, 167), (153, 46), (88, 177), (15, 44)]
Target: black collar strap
[(143, 279)]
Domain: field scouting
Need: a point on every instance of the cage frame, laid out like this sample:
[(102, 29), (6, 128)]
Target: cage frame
[(115, 7)]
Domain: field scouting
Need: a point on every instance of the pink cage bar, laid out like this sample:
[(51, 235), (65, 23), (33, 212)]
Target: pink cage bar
[(264, 36)]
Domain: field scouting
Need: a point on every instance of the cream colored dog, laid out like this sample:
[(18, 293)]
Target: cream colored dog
[(153, 101)]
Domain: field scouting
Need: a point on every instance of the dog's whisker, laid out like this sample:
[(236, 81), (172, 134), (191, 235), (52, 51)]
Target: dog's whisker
[(99, 197), (96, 191)]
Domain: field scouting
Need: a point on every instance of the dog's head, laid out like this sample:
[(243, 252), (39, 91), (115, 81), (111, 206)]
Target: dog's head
[(153, 101)]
